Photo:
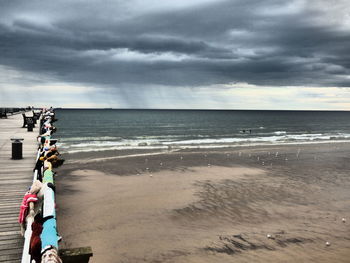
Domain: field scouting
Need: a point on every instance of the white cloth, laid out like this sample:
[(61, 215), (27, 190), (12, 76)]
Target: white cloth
[(49, 202)]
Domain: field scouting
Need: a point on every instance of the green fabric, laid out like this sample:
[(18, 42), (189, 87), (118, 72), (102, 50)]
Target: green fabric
[(48, 177)]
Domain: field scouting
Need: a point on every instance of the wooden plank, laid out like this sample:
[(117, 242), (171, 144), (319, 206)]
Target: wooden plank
[(8, 225), (9, 233), (13, 190), (15, 255), (10, 229), (17, 237), (14, 261), (12, 206), (15, 179), (19, 190), (15, 205), (9, 213), (11, 241), (11, 210), (8, 219), (10, 246)]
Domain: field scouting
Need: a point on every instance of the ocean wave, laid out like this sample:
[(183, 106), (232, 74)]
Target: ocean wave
[(280, 132), (183, 147), (77, 139), (172, 142), (119, 138)]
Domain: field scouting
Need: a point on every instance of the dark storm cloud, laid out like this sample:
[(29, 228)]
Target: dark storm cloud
[(258, 42)]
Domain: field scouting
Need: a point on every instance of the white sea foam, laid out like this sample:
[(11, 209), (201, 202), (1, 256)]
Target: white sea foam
[(78, 139), (173, 142), (280, 132)]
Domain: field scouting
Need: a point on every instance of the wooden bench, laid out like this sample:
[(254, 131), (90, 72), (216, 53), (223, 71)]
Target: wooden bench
[(27, 120), (3, 113), (36, 116)]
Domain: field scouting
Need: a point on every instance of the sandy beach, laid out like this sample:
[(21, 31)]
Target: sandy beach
[(252, 204)]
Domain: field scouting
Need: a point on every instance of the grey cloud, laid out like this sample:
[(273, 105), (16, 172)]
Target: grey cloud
[(274, 50)]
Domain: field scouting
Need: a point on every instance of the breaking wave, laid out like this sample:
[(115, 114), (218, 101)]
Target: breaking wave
[(87, 144)]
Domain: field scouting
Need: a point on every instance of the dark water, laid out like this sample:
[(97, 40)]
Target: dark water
[(90, 130)]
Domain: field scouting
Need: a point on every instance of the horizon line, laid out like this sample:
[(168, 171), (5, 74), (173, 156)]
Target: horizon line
[(189, 109)]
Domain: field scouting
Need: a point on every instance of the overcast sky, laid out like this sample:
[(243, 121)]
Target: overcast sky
[(236, 54)]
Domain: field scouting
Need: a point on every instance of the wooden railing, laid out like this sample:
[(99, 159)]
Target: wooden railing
[(49, 236), (26, 257)]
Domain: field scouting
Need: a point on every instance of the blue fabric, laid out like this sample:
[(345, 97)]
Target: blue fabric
[(49, 234)]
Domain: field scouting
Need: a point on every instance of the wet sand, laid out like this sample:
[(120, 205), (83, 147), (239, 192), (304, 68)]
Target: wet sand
[(214, 205)]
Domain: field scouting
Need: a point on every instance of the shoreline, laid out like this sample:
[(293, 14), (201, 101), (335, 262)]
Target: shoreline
[(138, 161), (176, 148), (118, 152), (164, 208)]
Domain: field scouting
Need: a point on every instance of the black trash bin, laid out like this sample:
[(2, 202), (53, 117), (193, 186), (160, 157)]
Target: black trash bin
[(17, 148)]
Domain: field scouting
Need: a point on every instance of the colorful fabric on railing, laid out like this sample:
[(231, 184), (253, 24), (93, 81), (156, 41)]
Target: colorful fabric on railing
[(49, 202), (48, 177), (47, 165), (49, 237), (36, 186), (50, 256), (27, 198), (35, 241)]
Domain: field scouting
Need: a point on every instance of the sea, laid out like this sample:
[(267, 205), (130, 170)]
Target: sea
[(89, 130)]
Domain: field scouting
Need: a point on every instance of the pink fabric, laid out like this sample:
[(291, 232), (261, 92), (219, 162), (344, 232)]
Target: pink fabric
[(27, 198)]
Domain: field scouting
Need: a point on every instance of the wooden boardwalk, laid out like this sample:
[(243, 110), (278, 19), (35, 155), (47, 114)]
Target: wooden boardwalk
[(15, 178)]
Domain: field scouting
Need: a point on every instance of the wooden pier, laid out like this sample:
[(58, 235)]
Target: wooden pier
[(15, 178)]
